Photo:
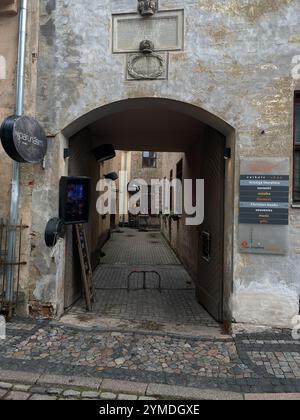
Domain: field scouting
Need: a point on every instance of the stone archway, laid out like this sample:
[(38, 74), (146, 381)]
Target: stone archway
[(146, 103), (122, 123)]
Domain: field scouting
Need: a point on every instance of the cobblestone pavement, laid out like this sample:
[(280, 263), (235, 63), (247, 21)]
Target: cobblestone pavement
[(109, 277), (247, 363), (174, 306), (153, 358), (135, 251), (138, 248)]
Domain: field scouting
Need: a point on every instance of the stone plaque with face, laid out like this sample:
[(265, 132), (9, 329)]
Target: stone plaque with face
[(147, 8)]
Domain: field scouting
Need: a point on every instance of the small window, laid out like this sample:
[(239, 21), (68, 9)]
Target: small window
[(297, 149), (149, 160)]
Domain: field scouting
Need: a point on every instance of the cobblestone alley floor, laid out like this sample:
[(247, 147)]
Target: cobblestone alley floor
[(135, 251)]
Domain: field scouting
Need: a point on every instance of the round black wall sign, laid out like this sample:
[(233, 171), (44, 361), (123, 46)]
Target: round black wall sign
[(23, 139)]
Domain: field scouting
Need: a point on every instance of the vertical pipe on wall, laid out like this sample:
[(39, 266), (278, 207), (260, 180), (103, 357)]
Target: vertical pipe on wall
[(15, 182), (21, 57), (125, 208)]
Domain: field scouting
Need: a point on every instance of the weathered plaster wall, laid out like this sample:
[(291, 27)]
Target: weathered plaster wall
[(237, 64), (29, 173), (83, 163), (184, 239), (8, 54)]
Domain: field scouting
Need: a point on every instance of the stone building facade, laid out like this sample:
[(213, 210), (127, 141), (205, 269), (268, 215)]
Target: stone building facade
[(227, 74), (141, 169)]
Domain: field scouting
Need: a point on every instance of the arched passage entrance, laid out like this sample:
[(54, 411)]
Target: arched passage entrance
[(164, 125)]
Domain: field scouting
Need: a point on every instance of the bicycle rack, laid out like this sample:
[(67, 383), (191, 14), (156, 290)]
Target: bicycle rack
[(145, 273)]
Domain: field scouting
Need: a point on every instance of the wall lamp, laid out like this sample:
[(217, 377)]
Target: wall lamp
[(67, 154), (104, 152), (133, 187), (227, 153), (113, 176)]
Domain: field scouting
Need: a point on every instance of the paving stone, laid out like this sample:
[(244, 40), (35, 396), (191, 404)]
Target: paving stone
[(17, 396), (119, 362), (22, 388), (38, 390), (5, 385), (124, 387), (72, 393), (42, 397), (272, 397), (90, 394), (3, 392), (84, 382), (108, 396), (124, 397), (18, 376), (55, 391), (167, 391)]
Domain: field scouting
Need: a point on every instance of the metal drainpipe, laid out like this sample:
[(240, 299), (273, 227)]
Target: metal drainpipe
[(125, 188), (15, 182)]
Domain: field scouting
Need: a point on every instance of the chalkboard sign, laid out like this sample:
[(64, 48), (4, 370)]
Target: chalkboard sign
[(23, 139), (264, 199)]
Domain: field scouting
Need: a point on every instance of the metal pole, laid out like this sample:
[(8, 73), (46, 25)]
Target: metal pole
[(15, 182), (21, 57), (125, 188)]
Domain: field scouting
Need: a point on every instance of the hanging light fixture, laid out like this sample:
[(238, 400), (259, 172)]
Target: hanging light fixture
[(113, 176), (227, 153), (104, 152)]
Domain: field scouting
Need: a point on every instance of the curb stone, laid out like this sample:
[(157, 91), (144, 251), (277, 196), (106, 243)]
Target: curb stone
[(177, 392), (91, 388)]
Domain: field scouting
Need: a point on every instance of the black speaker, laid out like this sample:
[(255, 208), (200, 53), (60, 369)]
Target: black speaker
[(104, 152), (55, 229)]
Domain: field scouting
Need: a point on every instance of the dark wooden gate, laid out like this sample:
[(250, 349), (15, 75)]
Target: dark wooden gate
[(211, 256)]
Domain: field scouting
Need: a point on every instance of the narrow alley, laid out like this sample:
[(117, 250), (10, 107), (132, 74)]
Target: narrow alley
[(119, 285)]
